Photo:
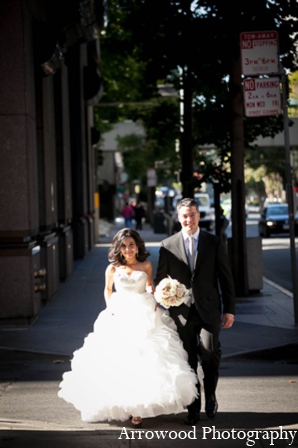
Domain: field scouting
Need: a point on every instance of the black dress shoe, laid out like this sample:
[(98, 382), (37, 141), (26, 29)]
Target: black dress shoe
[(211, 406), (192, 418)]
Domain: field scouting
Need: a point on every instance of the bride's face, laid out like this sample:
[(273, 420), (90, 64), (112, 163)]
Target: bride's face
[(129, 248)]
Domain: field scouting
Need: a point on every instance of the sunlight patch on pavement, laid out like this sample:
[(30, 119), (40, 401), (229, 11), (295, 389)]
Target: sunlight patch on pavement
[(276, 243)]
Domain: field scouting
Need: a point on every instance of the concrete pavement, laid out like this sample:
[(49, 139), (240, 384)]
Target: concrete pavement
[(257, 387)]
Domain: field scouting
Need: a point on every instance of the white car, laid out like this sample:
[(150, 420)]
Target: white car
[(207, 217)]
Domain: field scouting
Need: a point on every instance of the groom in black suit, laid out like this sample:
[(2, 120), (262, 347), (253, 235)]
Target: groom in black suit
[(199, 260)]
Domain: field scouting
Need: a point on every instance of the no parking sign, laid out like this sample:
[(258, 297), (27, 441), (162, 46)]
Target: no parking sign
[(259, 56), (262, 96)]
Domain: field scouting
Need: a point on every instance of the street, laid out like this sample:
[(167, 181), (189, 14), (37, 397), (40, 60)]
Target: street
[(258, 374)]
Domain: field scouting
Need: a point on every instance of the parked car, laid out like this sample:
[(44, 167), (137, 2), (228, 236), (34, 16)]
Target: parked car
[(207, 217), (271, 201), (275, 219)]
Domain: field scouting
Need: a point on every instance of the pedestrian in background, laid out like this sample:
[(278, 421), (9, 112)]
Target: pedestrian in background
[(139, 215), (128, 213)]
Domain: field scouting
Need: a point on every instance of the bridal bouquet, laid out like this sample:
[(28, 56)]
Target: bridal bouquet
[(170, 292)]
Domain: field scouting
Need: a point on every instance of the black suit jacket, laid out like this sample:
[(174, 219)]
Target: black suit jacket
[(211, 282)]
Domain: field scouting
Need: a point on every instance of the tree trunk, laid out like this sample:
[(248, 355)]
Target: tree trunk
[(239, 247)]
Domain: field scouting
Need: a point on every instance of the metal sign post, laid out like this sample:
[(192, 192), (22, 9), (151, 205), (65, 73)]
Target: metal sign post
[(260, 56), (290, 194)]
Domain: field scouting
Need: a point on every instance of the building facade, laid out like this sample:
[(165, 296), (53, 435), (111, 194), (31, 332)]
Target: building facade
[(49, 54)]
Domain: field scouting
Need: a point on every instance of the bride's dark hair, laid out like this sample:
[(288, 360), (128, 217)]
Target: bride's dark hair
[(114, 255)]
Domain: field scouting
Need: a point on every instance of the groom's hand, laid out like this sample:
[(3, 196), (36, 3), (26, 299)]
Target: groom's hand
[(227, 320)]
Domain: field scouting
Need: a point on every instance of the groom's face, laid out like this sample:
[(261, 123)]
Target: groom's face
[(189, 218)]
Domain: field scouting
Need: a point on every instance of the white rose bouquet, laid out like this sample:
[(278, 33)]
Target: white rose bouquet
[(169, 292)]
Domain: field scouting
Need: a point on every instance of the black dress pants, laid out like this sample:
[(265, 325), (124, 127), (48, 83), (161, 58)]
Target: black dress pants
[(202, 340)]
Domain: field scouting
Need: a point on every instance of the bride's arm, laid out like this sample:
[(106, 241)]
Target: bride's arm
[(109, 281), (150, 286)]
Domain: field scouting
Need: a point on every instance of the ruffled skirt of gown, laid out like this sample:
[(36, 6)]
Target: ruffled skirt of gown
[(133, 363)]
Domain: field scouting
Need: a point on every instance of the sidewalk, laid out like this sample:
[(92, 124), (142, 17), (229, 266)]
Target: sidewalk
[(262, 321), (253, 392)]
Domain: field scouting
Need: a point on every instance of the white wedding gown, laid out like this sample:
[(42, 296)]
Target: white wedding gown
[(133, 363)]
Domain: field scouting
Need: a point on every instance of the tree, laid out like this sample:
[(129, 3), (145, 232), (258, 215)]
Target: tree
[(172, 46), (254, 181), (140, 48)]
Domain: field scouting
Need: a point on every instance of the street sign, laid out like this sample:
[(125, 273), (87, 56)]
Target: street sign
[(262, 96), (259, 53)]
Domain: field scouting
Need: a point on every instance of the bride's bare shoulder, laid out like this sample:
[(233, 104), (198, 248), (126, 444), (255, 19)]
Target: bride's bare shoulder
[(111, 269), (146, 265)]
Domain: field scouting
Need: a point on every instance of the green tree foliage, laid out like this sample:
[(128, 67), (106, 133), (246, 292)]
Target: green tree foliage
[(140, 154), (147, 41), (293, 93)]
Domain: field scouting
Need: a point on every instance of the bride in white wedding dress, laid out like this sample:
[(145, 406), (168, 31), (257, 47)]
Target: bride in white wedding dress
[(133, 363)]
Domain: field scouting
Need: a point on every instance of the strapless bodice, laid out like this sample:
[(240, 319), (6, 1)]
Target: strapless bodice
[(133, 283)]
